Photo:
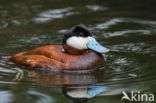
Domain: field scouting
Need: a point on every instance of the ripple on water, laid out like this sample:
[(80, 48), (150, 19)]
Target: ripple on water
[(3, 24), (4, 65), (147, 27), (141, 47), (54, 14), (126, 68), (120, 33), (6, 74), (42, 97), (6, 97), (115, 21), (24, 43), (107, 24), (96, 7), (44, 39)]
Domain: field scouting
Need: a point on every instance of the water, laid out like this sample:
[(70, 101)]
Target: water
[(127, 27)]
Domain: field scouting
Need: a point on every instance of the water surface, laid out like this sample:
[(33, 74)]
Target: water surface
[(127, 27)]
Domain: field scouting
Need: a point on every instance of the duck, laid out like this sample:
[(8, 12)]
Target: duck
[(79, 51)]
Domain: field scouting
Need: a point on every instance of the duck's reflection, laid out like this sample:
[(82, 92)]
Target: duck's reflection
[(81, 94), (79, 87), (66, 78)]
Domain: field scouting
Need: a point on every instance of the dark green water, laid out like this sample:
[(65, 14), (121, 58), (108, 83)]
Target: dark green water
[(125, 26)]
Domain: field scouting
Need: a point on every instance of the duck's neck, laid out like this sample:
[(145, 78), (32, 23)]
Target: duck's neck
[(71, 50)]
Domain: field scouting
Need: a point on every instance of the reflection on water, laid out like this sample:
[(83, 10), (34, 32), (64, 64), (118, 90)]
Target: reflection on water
[(6, 97), (64, 78), (3, 25), (77, 87), (81, 94), (108, 23), (114, 21), (54, 14), (128, 28), (42, 98), (119, 21), (96, 7), (83, 91)]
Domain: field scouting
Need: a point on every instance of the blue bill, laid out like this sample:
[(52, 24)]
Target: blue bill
[(94, 45)]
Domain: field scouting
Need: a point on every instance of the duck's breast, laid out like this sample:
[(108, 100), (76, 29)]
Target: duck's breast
[(90, 60)]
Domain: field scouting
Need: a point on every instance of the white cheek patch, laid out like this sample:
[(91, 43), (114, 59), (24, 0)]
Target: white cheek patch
[(78, 42)]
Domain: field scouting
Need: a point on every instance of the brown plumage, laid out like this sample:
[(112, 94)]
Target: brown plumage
[(53, 58)]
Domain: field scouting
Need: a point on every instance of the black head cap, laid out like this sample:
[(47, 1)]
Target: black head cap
[(78, 30)]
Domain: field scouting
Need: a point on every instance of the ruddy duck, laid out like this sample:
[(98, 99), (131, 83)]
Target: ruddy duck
[(79, 51)]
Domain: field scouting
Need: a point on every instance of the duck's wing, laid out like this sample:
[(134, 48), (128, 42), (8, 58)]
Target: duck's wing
[(37, 62)]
